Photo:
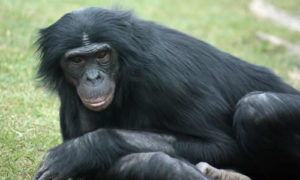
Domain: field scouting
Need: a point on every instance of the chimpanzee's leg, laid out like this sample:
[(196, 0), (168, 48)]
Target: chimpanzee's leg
[(267, 126)]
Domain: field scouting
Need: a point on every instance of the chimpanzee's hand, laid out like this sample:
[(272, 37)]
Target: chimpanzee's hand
[(59, 163)]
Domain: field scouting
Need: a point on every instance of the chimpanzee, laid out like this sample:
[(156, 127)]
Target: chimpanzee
[(143, 101)]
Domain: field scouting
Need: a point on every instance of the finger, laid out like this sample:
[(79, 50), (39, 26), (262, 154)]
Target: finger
[(47, 175), (39, 172), (203, 167), (209, 170), (229, 175)]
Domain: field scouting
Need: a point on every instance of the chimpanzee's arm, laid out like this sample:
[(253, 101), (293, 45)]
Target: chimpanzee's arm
[(101, 148)]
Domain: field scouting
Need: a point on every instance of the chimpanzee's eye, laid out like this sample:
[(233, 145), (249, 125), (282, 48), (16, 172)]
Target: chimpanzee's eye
[(77, 60), (103, 56)]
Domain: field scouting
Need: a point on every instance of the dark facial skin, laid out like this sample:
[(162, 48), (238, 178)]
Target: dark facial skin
[(92, 69)]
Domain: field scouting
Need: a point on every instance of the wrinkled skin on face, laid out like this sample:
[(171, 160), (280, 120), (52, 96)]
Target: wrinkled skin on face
[(92, 69)]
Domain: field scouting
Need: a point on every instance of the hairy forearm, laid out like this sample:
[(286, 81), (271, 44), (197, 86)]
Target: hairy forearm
[(110, 144)]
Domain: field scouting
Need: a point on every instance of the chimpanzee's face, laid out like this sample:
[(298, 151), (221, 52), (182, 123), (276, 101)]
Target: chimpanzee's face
[(92, 69)]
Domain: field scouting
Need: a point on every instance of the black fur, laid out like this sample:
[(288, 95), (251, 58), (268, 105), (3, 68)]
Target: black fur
[(175, 95)]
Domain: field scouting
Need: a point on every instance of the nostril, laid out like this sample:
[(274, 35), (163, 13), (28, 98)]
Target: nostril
[(98, 76), (93, 75)]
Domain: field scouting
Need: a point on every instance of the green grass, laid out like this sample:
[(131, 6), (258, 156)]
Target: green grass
[(29, 114)]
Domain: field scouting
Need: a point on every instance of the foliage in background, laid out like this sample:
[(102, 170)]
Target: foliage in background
[(29, 114)]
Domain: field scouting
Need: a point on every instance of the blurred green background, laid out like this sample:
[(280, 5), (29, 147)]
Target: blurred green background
[(29, 114)]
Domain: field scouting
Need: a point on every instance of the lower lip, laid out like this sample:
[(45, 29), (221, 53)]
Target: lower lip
[(94, 105)]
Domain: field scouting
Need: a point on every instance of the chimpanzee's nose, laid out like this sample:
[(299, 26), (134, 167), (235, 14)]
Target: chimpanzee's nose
[(93, 76)]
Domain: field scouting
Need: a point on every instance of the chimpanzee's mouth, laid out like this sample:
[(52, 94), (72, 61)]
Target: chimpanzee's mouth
[(98, 103), (95, 102)]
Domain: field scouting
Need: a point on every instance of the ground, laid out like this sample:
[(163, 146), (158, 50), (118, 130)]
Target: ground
[(29, 114)]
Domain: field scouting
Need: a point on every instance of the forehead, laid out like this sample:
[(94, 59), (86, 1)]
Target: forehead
[(87, 49), (79, 30)]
